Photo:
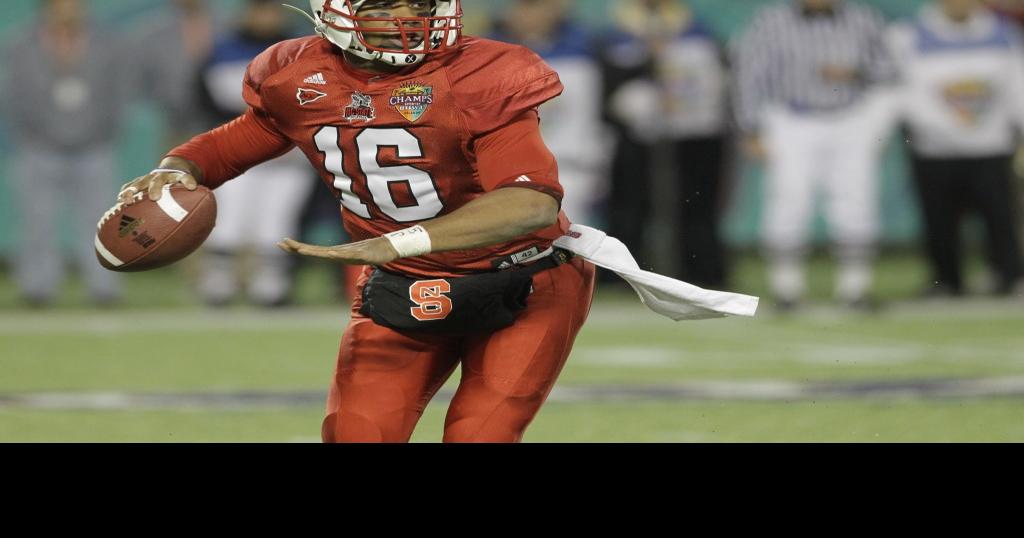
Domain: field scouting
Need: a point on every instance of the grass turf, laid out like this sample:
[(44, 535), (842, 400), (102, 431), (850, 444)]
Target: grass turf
[(982, 420), (160, 343)]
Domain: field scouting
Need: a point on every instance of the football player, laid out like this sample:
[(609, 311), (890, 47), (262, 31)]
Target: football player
[(431, 142)]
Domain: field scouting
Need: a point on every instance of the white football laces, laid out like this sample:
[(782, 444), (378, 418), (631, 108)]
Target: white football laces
[(118, 207)]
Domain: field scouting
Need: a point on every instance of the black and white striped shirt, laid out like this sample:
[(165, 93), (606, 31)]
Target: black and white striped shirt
[(808, 62)]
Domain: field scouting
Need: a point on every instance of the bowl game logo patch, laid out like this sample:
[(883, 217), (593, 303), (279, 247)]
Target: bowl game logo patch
[(412, 99), (361, 108), (969, 100)]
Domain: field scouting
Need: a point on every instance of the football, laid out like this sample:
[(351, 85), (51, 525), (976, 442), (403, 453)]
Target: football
[(145, 234)]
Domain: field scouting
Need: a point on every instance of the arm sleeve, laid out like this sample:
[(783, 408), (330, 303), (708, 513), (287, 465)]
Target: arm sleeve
[(13, 95), (515, 156), (898, 39), (1016, 76), (880, 65), (752, 58), (229, 150)]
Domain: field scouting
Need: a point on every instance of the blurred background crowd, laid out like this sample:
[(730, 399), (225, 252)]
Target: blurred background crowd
[(691, 130)]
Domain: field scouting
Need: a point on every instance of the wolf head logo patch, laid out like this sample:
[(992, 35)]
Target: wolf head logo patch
[(361, 108)]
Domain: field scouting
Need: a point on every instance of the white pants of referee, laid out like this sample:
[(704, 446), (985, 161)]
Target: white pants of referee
[(254, 212), (835, 155)]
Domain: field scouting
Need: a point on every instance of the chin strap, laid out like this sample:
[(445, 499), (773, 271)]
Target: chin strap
[(318, 25)]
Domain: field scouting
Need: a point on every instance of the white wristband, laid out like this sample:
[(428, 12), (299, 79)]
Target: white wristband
[(410, 242)]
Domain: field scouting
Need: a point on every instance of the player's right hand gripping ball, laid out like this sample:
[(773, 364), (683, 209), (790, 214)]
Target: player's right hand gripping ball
[(145, 234)]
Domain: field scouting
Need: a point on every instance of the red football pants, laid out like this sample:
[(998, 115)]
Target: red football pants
[(384, 379)]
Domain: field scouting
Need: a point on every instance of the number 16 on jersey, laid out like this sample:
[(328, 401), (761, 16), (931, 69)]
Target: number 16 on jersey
[(379, 178)]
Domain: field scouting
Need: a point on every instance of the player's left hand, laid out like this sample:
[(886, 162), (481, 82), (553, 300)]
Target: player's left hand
[(376, 251)]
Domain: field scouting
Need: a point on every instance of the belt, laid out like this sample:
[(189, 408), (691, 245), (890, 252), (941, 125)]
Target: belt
[(531, 261), (557, 257)]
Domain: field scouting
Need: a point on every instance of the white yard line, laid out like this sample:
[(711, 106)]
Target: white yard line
[(604, 315), (757, 390), (179, 320)]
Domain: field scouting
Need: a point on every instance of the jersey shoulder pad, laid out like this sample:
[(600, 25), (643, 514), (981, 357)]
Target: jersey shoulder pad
[(274, 60), (495, 82)]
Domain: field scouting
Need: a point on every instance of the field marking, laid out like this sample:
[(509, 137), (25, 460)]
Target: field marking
[(606, 314), (763, 390), (172, 321), (888, 354), (634, 356), (845, 353)]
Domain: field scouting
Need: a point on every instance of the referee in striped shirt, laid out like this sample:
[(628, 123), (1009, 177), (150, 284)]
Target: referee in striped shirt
[(806, 72)]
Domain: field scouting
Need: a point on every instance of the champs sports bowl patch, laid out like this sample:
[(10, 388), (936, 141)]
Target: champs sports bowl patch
[(412, 100)]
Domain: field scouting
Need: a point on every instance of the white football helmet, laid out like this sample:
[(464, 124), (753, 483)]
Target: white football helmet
[(337, 22)]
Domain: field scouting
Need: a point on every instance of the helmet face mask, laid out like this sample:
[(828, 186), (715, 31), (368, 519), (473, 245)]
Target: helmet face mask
[(412, 37)]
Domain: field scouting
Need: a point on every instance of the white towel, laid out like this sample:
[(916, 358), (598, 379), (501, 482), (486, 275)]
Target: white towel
[(667, 296)]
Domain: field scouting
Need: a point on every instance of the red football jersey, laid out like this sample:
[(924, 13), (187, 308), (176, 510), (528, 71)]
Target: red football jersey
[(398, 149)]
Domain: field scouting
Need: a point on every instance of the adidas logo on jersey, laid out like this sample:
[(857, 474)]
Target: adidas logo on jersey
[(523, 179), (316, 79)]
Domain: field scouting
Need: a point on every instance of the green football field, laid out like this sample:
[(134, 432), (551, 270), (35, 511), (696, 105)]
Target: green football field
[(162, 369)]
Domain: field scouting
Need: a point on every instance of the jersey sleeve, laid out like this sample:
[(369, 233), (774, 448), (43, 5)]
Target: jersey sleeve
[(1016, 78), (229, 150), (270, 62), (515, 156), (496, 83), (257, 72), (754, 52)]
